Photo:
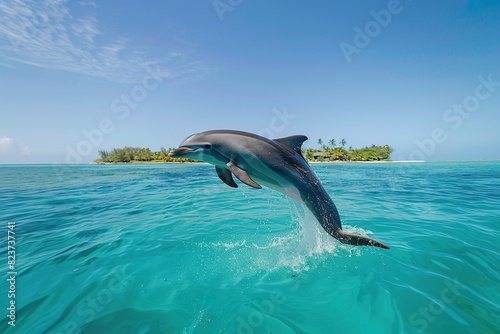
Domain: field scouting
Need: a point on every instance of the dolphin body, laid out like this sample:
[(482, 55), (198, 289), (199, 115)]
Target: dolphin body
[(277, 164)]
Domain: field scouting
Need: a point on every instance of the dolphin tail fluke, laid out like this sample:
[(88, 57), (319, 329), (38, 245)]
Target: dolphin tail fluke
[(359, 240)]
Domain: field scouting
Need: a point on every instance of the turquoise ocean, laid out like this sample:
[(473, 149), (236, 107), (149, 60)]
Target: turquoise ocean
[(171, 249)]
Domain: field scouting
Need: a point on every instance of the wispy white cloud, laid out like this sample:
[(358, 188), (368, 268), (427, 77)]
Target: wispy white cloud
[(26, 150), (6, 144), (47, 34), (4, 141), (10, 148)]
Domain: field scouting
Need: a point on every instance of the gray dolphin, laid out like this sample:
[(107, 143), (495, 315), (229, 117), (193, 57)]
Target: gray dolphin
[(277, 164)]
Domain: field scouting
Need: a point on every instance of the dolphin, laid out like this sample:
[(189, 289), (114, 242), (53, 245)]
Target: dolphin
[(277, 164)]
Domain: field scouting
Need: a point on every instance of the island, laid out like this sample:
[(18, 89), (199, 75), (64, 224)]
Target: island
[(129, 154), (332, 152), (329, 152)]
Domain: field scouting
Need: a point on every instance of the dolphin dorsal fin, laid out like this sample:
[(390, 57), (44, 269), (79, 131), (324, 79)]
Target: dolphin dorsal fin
[(294, 142)]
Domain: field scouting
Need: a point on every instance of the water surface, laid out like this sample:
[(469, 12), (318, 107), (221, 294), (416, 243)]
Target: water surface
[(171, 249)]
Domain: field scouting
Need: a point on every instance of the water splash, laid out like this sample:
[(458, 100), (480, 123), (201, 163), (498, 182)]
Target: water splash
[(304, 246)]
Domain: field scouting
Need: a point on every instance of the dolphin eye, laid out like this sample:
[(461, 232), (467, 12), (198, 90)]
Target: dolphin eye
[(207, 146)]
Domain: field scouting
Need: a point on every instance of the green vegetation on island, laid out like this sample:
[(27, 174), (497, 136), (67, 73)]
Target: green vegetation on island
[(332, 152), (137, 155), (326, 152)]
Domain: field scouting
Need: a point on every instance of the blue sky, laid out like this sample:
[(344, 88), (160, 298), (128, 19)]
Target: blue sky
[(80, 76)]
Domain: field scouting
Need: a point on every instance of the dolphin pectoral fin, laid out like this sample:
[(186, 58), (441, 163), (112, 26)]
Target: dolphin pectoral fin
[(242, 176), (358, 240), (225, 176)]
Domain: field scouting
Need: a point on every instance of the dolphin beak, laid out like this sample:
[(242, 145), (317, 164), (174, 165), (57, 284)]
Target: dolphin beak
[(178, 152)]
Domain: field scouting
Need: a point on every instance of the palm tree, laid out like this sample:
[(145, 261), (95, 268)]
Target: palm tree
[(332, 143), (320, 142), (343, 142)]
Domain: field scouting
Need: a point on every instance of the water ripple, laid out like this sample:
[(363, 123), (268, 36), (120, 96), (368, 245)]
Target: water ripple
[(170, 248)]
